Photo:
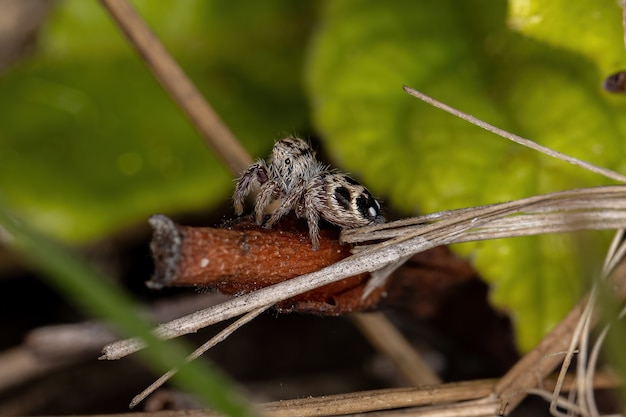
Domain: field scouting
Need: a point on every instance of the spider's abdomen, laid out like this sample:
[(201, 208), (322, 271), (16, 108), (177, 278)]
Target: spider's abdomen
[(348, 203)]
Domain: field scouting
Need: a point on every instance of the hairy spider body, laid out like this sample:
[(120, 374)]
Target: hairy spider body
[(300, 182)]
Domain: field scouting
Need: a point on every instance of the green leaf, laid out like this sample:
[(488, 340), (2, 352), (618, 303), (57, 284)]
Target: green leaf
[(90, 142), (99, 297), (419, 159), (590, 28)]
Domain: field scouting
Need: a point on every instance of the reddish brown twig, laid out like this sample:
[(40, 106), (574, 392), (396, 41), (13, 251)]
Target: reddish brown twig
[(243, 257)]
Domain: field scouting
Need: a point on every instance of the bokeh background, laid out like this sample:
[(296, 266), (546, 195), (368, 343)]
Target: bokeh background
[(91, 146)]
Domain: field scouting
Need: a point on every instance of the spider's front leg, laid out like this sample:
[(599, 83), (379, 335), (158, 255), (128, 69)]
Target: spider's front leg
[(290, 201), (255, 174), (269, 191)]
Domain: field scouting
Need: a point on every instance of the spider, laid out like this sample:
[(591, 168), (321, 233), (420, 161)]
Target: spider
[(300, 182)]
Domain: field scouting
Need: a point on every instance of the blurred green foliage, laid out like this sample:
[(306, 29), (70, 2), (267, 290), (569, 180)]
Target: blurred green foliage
[(532, 68), (90, 143)]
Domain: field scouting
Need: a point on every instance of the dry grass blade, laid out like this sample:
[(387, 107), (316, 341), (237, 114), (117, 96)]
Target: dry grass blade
[(451, 399), (579, 209), (530, 371), (583, 402)]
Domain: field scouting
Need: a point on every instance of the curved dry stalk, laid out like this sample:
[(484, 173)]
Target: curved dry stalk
[(586, 361), (615, 254), (590, 373), (566, 404), (581, 324), (538, 363)]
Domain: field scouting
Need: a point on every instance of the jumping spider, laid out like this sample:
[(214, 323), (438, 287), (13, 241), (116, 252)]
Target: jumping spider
[(292, 175)]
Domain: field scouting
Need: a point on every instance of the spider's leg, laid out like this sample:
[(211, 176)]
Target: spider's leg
[(313, 220), (287, 205), (255, 174), (269, 191), (312, 205)]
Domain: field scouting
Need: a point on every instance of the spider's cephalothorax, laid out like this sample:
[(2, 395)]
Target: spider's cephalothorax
[(294, 177)]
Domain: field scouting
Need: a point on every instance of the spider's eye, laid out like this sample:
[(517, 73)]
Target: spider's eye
[(287, 161)]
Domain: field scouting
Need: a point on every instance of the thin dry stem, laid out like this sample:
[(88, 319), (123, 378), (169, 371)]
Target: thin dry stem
[(178, 85), (536, 364), (469, 396), (566, 404), (20, 365), (574, 340), (584, 400), (390, 342), (220, 337), (517, 139)]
